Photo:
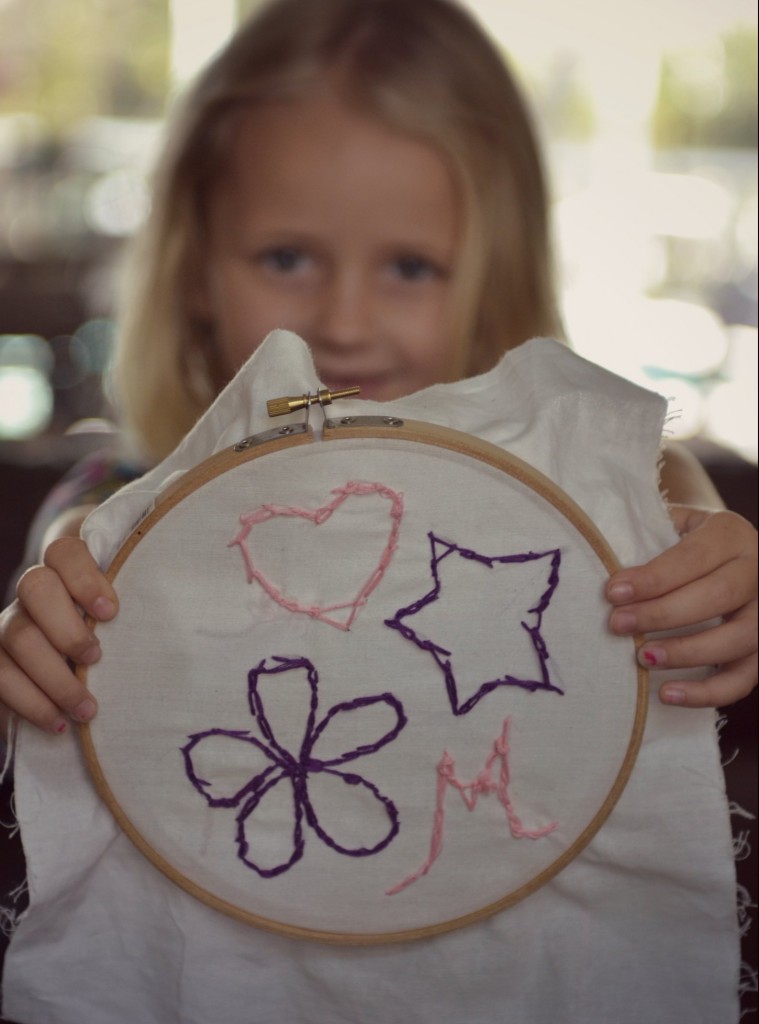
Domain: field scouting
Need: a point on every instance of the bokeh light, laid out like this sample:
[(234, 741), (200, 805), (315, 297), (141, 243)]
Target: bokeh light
[(26, 402), (26, 350), (117, 203), (92, 344)]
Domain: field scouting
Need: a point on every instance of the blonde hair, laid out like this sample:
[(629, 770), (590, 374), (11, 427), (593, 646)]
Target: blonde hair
[(422, 67)]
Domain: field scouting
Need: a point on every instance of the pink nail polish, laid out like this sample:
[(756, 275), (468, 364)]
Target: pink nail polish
[(653, 656), (60, 726)]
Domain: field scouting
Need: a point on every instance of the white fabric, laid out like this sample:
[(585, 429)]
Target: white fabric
[(190, 628), (640, 926)]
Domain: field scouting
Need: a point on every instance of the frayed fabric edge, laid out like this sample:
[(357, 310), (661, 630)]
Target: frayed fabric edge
[(666, 435), (12, 826), (748, 982), (9, 914), (10, 743), (748, 986)]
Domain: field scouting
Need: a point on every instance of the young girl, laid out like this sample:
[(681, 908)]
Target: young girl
[(364, 174), (367, 176)]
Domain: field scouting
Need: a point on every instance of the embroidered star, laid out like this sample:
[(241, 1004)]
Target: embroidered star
[(446, 659)]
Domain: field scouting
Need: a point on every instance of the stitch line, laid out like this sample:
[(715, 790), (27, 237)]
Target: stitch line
[(296, 769), (440, 550), (318, 516), (482, 785)]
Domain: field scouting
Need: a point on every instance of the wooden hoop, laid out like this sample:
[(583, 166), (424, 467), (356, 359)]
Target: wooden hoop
[(407, 431)]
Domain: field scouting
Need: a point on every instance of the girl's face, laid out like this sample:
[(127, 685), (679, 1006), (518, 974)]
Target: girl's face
[(331, 225)]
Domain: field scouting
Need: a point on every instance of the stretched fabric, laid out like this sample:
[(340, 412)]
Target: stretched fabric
[(639, 925)]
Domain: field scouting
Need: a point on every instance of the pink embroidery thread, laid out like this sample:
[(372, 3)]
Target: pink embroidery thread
[(470, 793), (352, 488)]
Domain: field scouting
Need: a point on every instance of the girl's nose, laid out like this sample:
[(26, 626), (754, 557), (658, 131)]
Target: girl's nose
[(343, 315)]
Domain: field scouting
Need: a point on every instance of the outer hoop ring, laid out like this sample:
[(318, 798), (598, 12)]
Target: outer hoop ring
[(421, 433)]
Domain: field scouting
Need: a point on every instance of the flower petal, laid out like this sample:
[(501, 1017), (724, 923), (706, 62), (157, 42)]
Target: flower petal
[(369, 715), (356, 819), (270, 827), (224, 765), (283, 695)]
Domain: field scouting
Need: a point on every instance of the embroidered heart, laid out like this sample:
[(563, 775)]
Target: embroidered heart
[(342, 613)]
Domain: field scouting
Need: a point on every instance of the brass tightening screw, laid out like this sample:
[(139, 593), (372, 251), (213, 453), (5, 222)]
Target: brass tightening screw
[(286, 404)]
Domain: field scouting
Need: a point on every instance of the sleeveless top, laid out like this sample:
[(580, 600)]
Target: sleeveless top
[(641, 926), (91, 480)]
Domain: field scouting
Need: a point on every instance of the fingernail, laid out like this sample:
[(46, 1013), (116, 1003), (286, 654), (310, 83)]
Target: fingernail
[(673, 696), (91, 655), (621, 592), (103, 608), (653, 656), (84, 711), (60, 726), (623, 622)]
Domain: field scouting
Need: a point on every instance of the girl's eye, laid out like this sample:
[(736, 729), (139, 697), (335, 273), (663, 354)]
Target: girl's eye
[(415, 268), (283, 259)]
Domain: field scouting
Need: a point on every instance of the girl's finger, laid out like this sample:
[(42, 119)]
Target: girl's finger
[(723, 592), (732, 640), (19, 694), (70, 558), (731, 684), (36, 681), (45, 600), (720, 538)]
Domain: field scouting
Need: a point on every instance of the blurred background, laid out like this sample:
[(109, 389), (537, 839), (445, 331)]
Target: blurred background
[(648, 113)]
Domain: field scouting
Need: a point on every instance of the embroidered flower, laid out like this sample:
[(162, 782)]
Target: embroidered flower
[(279, 771)]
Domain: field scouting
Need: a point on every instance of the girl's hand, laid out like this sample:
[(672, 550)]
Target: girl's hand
[(43, 635), (711, 572)]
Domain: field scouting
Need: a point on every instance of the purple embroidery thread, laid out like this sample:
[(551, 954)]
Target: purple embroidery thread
[(442, 549), (296, 767)]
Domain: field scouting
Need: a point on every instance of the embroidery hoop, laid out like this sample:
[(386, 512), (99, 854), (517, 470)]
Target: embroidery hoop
[(392, 435)]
